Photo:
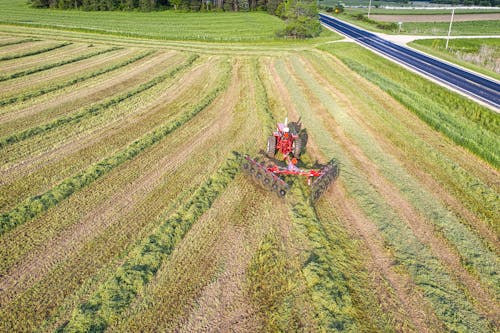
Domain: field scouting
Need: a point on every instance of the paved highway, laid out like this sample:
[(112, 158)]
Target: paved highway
[(485, 90)]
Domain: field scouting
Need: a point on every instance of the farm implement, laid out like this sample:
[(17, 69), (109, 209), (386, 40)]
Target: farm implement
[(281, 160)]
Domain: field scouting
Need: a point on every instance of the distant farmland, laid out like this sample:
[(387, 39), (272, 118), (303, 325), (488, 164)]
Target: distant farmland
[(123, 206)]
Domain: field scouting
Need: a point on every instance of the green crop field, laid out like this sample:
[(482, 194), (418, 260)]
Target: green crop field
[(123, 207)]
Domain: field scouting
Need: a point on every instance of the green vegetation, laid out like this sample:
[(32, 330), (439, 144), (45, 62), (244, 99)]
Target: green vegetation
[(468, 124), (467, 28), (15, 42), (38, 204), (478, 54), (33, 52), (123, 208), (50, 88), (129, 280), (165, 25), (56, 64)]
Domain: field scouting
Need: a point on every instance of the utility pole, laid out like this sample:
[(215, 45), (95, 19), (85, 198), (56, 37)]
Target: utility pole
[(449, 30), (369, 8)]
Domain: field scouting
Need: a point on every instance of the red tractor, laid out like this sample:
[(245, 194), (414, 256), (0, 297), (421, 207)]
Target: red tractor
[(288, 141)]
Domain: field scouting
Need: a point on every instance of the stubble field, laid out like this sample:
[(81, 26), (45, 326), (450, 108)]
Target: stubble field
[(124, 209)]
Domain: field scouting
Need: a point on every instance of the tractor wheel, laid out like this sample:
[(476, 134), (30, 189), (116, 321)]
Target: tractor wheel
[(271, 146), (294, 127), (297, 148)]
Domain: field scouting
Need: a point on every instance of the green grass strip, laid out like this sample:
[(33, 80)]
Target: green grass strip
[(36, 205), (57, 64), (19, 42), (35, 52), (48, 89), (145, 260), (93, 110), (464, 122)]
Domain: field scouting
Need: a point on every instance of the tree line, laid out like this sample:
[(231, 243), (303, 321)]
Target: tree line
[(148, 5), (301, 16)]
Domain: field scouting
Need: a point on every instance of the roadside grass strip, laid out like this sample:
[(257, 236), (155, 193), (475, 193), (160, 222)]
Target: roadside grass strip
[(93, 110), (36, 205), (465, 122), (34, 52), (56, 64), (130, 279), (50, 88), (21, 41), (448, 299), (474, 254)]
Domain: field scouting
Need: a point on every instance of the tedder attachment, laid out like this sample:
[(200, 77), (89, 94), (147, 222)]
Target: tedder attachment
[(329, 173), (262, 175), (288, 141), (268, 176)]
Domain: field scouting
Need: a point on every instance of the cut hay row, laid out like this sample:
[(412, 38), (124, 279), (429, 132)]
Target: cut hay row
[(164, 285), (54, 65), (469, 178), (75, 98), (14, 41), (36, 205), (73, 147), (92, 111), (18, 65), (56, 86), (128, 222), (32, 52), (424, 208)]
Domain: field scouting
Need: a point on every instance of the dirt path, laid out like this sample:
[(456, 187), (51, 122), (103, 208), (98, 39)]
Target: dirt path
[(436, 18), (418, 224), (55, 251)]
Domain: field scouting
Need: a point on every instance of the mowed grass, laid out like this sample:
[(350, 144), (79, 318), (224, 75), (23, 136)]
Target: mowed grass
[(168, 25), (126, 210)]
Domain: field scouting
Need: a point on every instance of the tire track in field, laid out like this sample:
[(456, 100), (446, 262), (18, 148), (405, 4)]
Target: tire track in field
[(470, 162), (72, 100), (380, 263), (41, 261), (58, 72), (76, 143), (422, 230)]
